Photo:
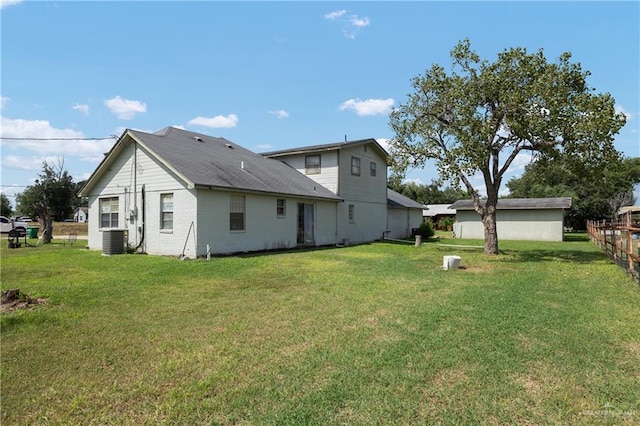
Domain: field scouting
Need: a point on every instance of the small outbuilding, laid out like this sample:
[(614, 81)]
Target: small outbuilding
[(535, 219), (437, 212), (403, 215)]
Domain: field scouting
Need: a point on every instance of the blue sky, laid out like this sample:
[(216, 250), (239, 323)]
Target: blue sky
[(268, 75)]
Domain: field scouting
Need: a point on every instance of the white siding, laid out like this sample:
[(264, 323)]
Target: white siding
[(264, 229), (400, 222), (125, 179), (367, 193), (328, 176), (532, 225), (365, 187)]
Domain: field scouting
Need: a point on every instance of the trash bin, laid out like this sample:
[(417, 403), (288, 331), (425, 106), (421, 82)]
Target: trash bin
[(32, 231)]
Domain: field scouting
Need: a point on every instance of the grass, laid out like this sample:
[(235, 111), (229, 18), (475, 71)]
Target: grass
[(544, 333)]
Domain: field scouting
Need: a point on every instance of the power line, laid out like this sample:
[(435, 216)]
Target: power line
[(58, 139)]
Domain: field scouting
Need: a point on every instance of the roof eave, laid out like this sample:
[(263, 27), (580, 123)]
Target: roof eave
[(276, 194)]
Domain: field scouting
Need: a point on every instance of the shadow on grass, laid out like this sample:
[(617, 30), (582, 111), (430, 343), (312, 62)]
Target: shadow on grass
[(574, 256), (576, 237)]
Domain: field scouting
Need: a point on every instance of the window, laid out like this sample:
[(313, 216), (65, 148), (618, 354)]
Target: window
[(109, 212), (373, 168), (312, 164), (166, 212), (355, 166), (281, 207), (236, 213), (352, 213)]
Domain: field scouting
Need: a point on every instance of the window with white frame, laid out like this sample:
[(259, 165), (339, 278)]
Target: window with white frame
[(166, 212), (355, 166), (373, 168), (281, 207), (352, 213), (236, 213), (109, 212), (312, 164)]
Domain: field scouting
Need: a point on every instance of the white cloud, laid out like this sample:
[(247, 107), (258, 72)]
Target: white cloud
[(351, 25), (125, 109), (384, 142), (335, 15), (230, 120), (369, 106), (620, 110), (6, 3), (359, 22), (4, 101), (280, 113), (83, 108), (264, 146), (59, 143), (28, 163)]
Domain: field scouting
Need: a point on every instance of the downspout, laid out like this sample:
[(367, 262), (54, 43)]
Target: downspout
[(142, 228), (135, 191)]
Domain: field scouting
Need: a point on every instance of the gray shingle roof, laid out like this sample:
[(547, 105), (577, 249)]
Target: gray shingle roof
[(207, 161), (327, 147), (395, 199), (519, 203)]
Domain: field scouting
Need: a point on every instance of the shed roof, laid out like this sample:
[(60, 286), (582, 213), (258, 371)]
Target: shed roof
[(436, 209), (395, 199), (519, 203), (211, 162)]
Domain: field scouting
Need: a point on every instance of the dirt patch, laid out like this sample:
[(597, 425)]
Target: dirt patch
[(13, 300), (65, 228)]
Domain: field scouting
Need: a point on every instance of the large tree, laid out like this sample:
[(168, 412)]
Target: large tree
[(5, 205), (477, 118), (50, 198)]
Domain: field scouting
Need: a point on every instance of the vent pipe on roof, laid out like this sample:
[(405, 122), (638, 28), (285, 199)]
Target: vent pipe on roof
[(242, 165), (197, 138), (345, 138)]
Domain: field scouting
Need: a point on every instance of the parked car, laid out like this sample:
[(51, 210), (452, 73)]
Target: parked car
[(6, 225)]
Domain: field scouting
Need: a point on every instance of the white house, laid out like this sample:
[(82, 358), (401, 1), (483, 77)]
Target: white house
[(176, 192), (355, 171), (81, 214), (536, 219)]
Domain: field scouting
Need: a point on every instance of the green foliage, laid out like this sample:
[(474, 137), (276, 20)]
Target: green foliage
[(597, 192), (5, 205), (53, 194), (446, 223), (426, 229), (428, 194), (480, 115), (369, 334)]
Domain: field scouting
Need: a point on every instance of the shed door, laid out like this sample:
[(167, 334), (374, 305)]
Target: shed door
[(306, 224)]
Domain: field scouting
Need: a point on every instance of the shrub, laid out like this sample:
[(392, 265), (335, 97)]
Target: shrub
[(426, 229), (446, 223)]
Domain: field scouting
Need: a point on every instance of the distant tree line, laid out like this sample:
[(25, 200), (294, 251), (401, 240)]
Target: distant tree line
[(427, 194), (598, 190)]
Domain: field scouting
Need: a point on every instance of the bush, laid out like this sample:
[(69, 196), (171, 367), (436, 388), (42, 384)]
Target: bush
[(426, 230), (446, 223)]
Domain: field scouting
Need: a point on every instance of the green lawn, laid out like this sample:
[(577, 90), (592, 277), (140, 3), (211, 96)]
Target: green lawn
[(544, 333)]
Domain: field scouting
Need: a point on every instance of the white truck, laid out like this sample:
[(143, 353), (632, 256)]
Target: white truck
[(7, 225)]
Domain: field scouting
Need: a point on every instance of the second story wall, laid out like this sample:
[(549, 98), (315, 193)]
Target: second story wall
[(326, 175), (369, 182)]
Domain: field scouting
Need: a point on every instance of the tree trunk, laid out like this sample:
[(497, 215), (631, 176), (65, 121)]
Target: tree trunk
[(490, 232), (47, 233)]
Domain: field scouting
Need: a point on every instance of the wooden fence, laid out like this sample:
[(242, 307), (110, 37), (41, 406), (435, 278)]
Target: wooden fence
[(620, 240)]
